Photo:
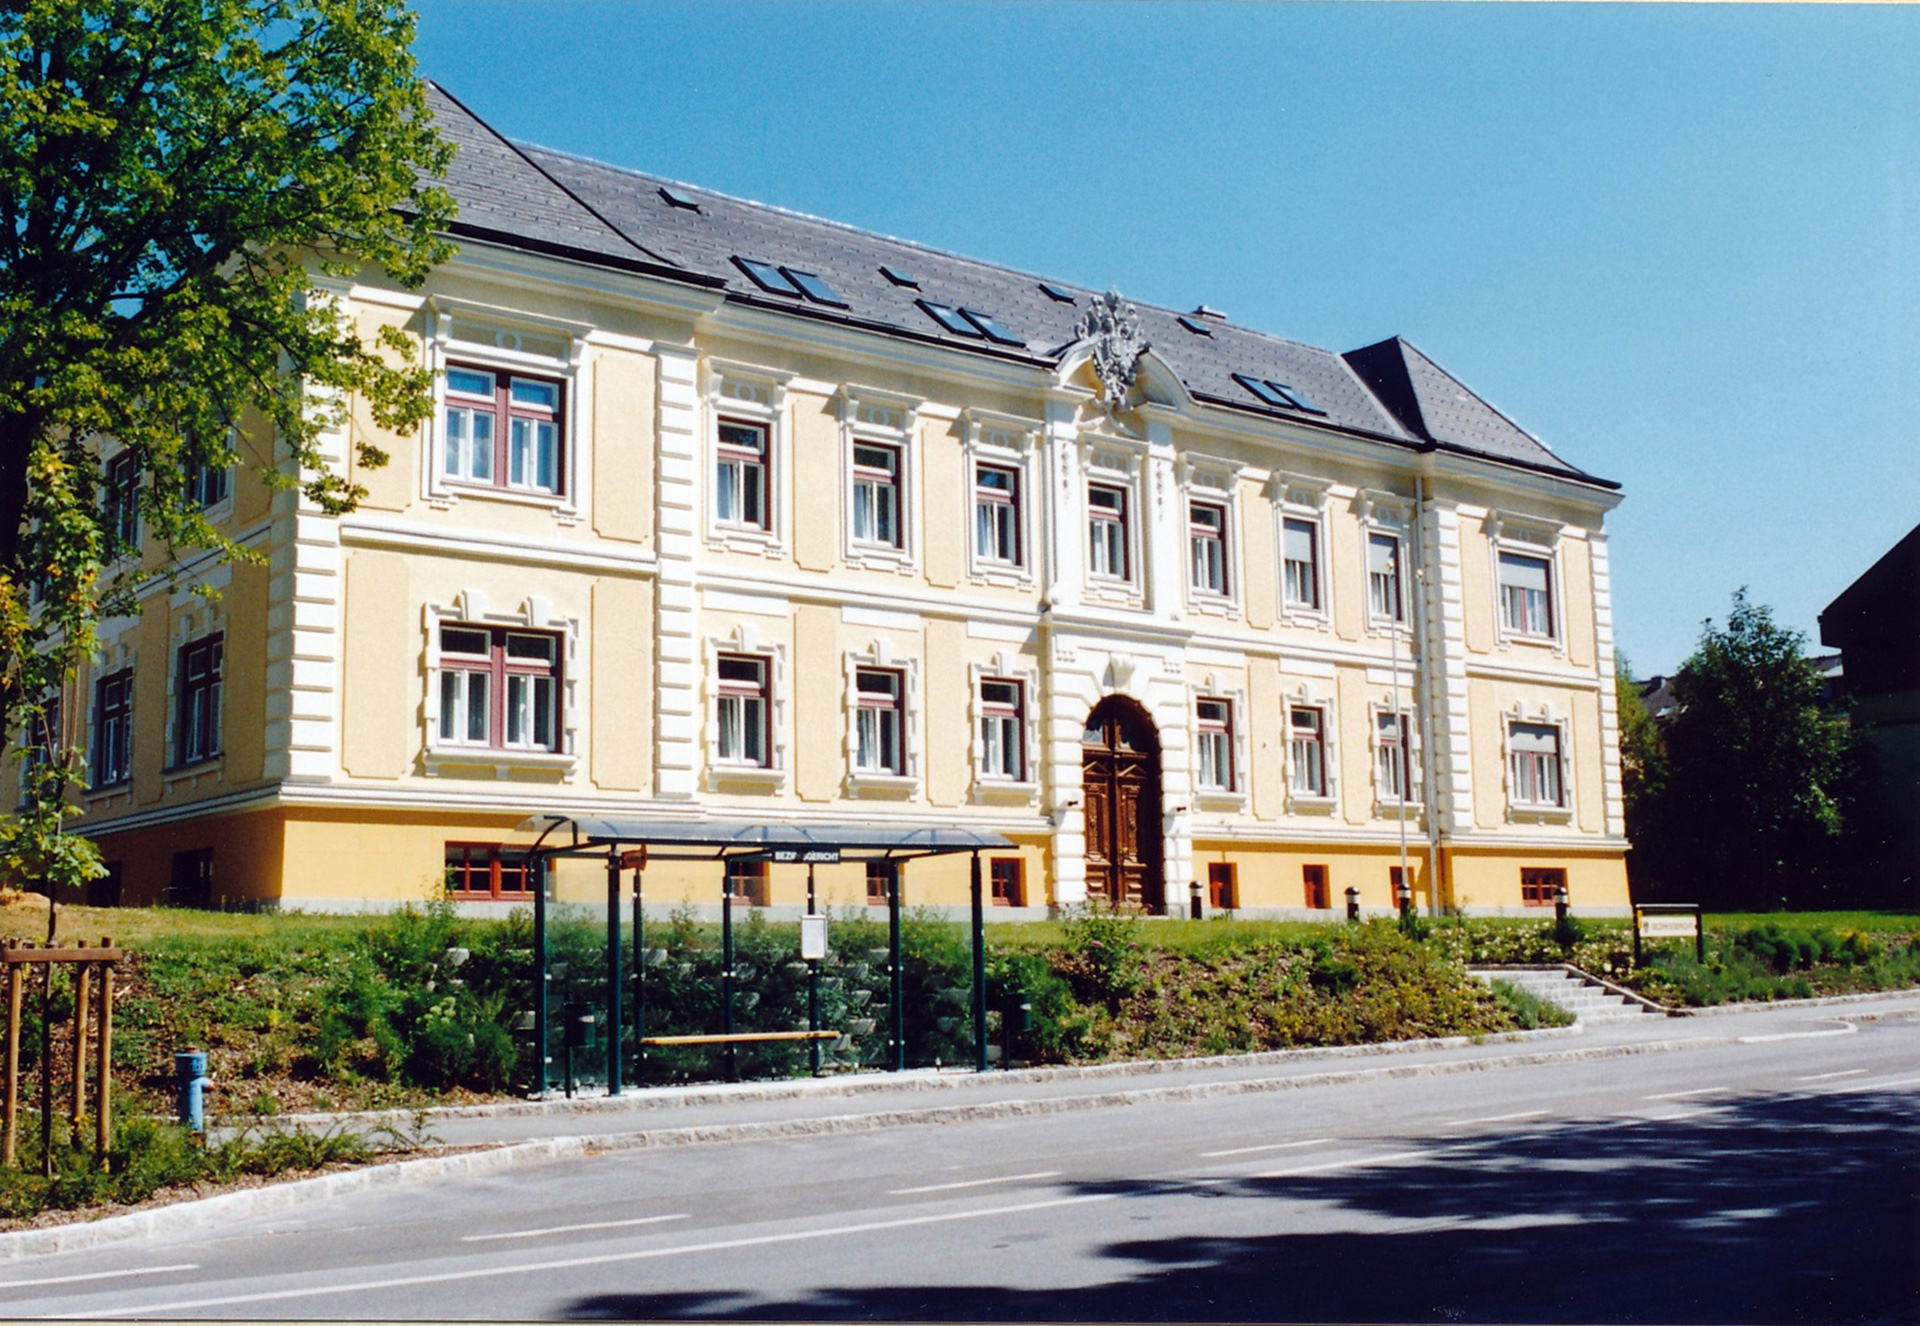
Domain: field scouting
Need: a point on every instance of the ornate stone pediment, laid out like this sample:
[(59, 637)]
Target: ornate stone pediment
[(1112, 328)]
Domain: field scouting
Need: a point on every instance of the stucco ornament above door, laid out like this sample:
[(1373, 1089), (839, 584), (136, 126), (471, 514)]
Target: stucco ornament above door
[(1112, 326)]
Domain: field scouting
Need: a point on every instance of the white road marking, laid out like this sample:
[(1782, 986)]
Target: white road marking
[(570, 1229), (1882, 1084), (974, 1183), (1273, 1146), (1497, 1118), (1676, 1116), (99, 1275), (1845, 1029), (570, 1263), (1822, 1077), (1353, 1163), (1682, 1095)]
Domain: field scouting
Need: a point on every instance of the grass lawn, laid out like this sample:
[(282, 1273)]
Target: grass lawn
[(1892, 922)]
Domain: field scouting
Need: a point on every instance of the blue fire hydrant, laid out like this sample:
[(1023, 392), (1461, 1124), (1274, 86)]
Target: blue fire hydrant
[(190, 1079)]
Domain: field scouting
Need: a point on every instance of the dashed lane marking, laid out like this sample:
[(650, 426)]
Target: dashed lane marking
[(99, 1275), (1498, 1118), (974, 1183), (573, 1229), (1271, 1146)]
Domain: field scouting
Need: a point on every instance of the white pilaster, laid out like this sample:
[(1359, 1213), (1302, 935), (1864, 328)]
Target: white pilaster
[(676, 681), (1603, 663), (1444, 670)]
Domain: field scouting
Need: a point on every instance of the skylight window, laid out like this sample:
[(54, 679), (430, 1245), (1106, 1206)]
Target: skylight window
[(898, 277), (813, 287), (1055, 293), (1195, 326), (679, 200), (1278, 394), (951, 319), (994, 331), (767, 277)]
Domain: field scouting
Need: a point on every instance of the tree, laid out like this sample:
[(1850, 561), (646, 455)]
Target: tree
[(1758, 769), (174, 175), (1643, 768)]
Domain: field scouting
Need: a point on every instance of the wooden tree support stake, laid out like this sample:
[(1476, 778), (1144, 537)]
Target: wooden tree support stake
[(18, 959)]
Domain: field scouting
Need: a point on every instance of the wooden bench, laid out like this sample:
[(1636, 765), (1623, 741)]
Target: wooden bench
[(742, 1037)]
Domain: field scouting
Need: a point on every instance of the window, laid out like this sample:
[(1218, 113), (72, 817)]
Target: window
[(1533, 764), (1300, 565), (1223, 886), (499, 688), (502, 430), (197, 731), (489, 870), (1008, 875), (876, 494), (747, 882), (1215, 723), (120, 503), (113, 729), (740, 487), (207, 485), (1526, 605), (1313, 880), (43, 735), (742, 710), (1392, 770), (1207, 546), (1107, 531), (1307, 749), (996, 514), (1383, 577), (877, 727), (1538, 886), (880, 881), (1002, 730)]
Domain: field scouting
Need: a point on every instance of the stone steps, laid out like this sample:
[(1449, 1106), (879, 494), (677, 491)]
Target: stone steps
[(1581, 996)]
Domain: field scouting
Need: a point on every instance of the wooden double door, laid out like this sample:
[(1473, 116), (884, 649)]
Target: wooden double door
[(1120, 780)]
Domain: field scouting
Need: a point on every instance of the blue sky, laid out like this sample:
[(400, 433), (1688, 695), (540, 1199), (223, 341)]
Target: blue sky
[(1681, 244)]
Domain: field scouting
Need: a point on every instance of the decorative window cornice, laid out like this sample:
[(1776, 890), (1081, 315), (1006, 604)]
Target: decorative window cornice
[(534, 613)]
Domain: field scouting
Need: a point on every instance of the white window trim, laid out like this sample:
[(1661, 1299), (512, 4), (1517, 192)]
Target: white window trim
[(503, 352), (987, 787), (1114, 466), (1521, 812), (1384, 807), (1212, 483), (195, 622), (1382, 513), (725, 775), (1527, 537), (891, 420), (752, 395), (1011, 444), (866, 782), (469, 606), (1214, 687), (1302, 803), (1303, 499)]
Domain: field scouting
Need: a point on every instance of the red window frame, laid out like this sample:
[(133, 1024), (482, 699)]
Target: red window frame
[(501, 405), (890, 707), (1007, 876), (888, 503), (113, 729), (882, 876), (121, 499), (1313, 882), (1223, 886), (747, 882), (754, 458), (1312, 735), (1213, 720), (1207, 547), (754, 698), (196, 734), (997, 509), (1102, 522), (489, 870), (498, 665), (1539, 883), (1011, 717), (1309, 576)]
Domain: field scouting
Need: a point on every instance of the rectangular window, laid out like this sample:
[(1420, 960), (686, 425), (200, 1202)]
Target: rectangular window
[(43, 736), (747, 882), (876, 494), (877, 722), (502, 430), (197, 729), (1384, 598), (996, 514), (1307, 749), (1215, 738), (1207, 546), (740, 480), (742, 710), (1313, 880), (1526, 603), (1538, 885), (1533, 764), (499, 688), (1300, 553), (120, 504), (113, 729), (1003, 752), (1107, 540), (1009, 878), (880, 878), (1223, 886), (207, 485), (1392, 771), (489, 870)]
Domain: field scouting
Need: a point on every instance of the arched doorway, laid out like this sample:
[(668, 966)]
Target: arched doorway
[(1120, 778)]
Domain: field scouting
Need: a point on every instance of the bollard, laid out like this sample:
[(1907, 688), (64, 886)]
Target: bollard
[(1193, 899), (190, 1080), (1353, 903), (1560, 906), (1015, 1018)]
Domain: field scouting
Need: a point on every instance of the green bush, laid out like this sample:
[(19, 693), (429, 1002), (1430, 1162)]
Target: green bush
[(1528, 1010)]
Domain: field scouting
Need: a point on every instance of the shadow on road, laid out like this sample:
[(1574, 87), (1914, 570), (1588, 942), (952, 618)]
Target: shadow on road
[(1776, 1209)]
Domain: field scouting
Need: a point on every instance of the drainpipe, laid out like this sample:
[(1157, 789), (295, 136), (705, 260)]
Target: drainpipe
[(1424, 697)]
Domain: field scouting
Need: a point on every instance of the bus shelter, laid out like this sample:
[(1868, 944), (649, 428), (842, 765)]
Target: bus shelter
[(629, 844)]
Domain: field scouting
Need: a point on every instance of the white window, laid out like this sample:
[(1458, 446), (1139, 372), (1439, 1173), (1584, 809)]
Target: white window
[(1526, 597), (996, 515), (1002, 729), (1214, 722), (740, 482), (1300, 563), (876, 494), (1107, 531), (1393, 769), (1207, 546), (1307, 750), (741, 716), (878, 729), (1533, 764), (1384, 570)]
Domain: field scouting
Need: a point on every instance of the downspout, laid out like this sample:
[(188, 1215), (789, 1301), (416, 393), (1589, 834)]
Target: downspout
[(1423, 688)]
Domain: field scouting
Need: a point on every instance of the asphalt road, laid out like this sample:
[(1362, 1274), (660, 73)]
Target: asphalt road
[(1770, 1179)]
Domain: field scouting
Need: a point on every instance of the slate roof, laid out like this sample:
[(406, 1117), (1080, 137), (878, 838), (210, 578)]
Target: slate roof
[(519, 192)]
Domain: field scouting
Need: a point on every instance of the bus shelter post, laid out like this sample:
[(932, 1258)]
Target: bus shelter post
[(979, 971), (896, 989), (614, 982)]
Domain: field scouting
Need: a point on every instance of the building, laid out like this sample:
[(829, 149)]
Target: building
[(1875, 624), (728, 511)]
